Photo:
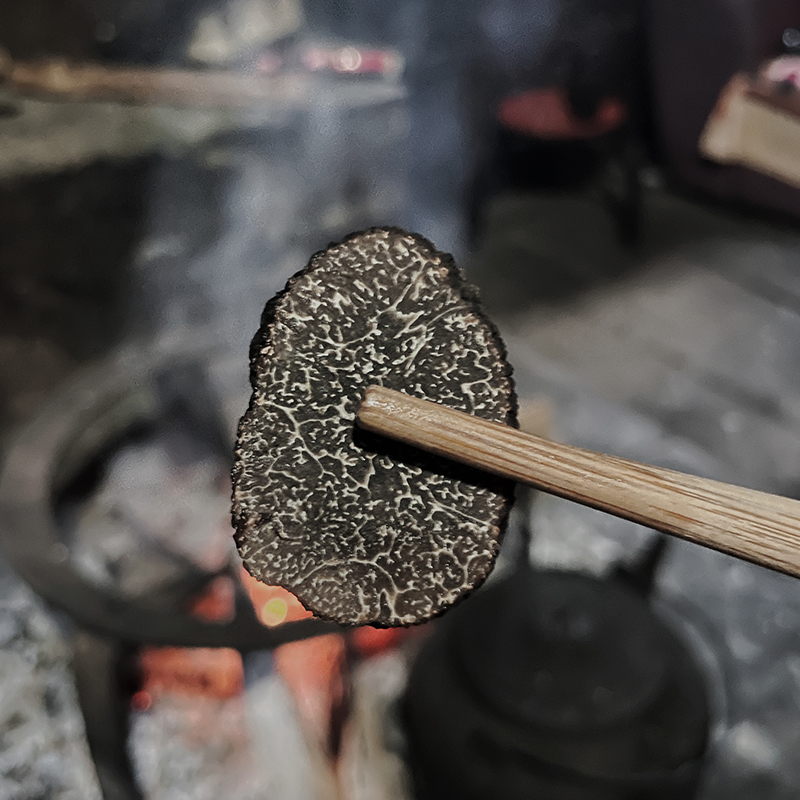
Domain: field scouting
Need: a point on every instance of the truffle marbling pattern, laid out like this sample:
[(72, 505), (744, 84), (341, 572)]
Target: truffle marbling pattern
[(361, 530)]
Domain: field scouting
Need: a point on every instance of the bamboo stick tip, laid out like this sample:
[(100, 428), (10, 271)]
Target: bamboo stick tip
[(373, 401), (375, 397)]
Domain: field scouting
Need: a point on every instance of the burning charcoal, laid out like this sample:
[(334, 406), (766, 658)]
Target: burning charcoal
[(365, 531)]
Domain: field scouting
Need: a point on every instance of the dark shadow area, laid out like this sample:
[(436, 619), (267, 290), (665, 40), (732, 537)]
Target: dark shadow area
[(48, 28), (66, 250)]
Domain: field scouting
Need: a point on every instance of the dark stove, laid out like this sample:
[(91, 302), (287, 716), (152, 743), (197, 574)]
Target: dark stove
[(556, 685)]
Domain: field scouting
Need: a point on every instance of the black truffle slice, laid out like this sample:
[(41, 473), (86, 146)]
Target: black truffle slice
[(362, 530)]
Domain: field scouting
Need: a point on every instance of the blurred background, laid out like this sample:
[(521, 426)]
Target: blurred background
[(620, 178)]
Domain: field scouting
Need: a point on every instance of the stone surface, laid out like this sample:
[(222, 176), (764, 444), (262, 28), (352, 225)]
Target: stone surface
[(43, 752)]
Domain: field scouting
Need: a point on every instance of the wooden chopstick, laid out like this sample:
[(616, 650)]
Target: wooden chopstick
[(755, 526)]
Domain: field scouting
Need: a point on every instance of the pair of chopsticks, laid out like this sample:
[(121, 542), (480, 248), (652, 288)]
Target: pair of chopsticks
[(756, 526)]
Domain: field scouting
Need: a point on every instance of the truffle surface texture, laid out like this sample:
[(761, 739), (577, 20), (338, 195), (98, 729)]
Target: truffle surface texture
[(360, 529)]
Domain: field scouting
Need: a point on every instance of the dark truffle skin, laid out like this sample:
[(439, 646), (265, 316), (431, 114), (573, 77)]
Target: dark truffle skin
[(362, 530)]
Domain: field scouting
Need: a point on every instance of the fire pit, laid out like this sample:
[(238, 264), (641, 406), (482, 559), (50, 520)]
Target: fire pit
[(63, 499)]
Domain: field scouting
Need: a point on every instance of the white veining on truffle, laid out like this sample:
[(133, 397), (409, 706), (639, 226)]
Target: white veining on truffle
[(359, 536)]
